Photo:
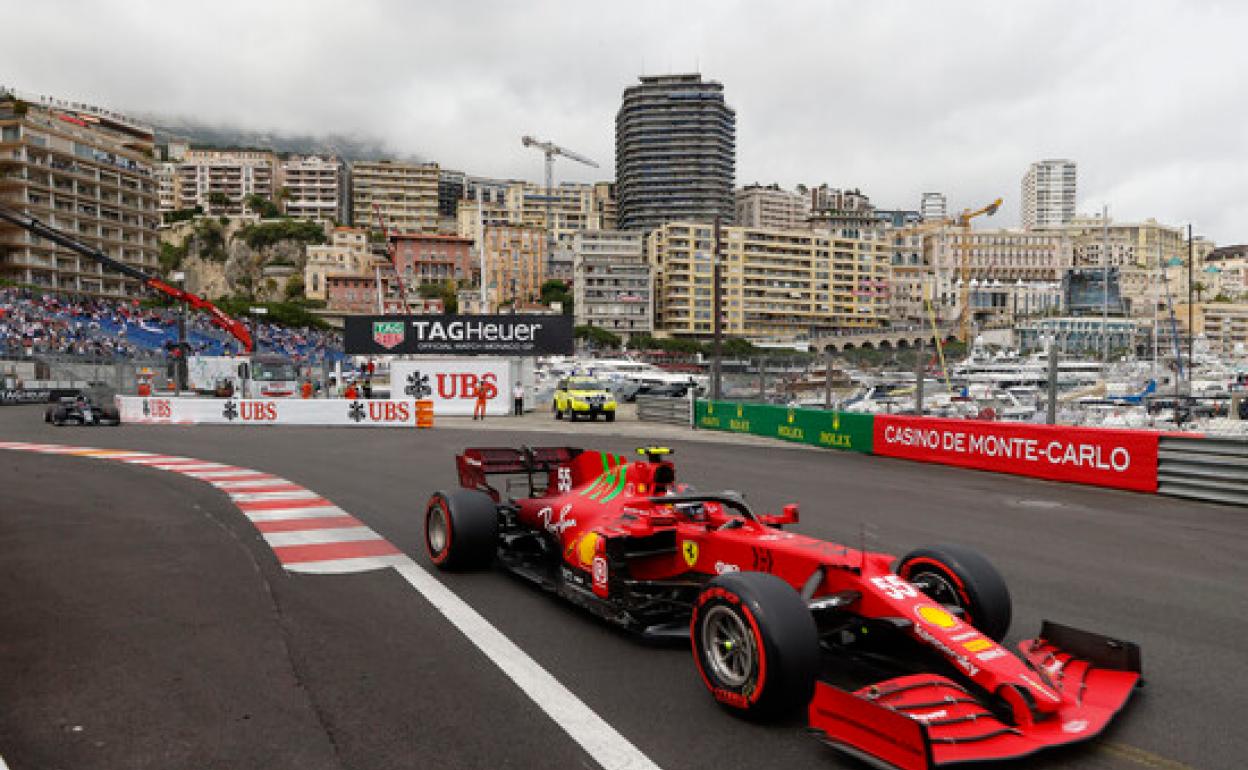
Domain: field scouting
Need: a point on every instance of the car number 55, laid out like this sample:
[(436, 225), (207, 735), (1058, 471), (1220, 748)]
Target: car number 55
[(894, 587)]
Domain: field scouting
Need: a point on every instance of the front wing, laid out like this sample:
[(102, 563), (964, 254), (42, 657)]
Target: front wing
[(924, 721)]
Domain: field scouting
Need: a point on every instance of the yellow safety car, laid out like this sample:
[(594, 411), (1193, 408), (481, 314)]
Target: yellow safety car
[(577, 396)]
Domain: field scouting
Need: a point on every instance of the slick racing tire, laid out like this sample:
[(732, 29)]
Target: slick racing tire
[(461, 529), (755, 644), (58, 418), (610, 416), (962, 577), (558, 413)]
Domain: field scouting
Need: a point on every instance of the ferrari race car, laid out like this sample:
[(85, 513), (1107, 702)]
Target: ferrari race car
[(81, 410), (771, 613)]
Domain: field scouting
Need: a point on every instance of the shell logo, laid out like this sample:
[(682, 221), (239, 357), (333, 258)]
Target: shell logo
[(936, 616), (587, 548)]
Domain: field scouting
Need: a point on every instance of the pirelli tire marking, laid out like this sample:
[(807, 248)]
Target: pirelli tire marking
[(306, 532)]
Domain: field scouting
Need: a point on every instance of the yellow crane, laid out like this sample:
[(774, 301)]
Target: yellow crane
[(963, 221)]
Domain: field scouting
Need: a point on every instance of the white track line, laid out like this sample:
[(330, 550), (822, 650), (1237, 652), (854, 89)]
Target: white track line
[(608, 748), (252, 497), (296, 513), (318, 536)]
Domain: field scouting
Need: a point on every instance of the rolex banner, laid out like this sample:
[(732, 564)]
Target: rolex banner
[(442, 335)]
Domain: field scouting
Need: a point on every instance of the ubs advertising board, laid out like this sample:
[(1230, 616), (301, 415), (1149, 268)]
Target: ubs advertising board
[(459, 335), (451, 383), (1125, 459)]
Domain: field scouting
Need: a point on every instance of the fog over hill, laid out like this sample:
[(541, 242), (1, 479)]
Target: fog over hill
[(354, 147)]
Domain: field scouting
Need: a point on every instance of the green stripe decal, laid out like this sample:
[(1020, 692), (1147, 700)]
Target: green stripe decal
[(621, 471)]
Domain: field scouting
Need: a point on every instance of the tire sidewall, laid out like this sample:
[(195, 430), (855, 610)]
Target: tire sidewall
[(981, 590), (785, 638), (471, 522), (439, 503)]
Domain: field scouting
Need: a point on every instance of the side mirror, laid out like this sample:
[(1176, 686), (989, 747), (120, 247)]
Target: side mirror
[(789, 516)]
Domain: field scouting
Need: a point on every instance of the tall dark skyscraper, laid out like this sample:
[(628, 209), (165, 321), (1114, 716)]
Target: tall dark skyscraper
[(675, 152)]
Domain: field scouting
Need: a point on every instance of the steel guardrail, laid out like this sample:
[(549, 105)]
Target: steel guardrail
[(672, 411), (1206, 468)]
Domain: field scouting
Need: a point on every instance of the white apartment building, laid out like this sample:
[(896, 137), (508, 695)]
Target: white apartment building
[(934, 206), (612, 282), (770, 206), (405, 193), (166, 176), (220, 181), (311, 187), (1007, 272), (1048, 194)]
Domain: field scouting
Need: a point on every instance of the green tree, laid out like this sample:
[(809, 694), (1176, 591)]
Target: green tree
[(261, 205), (598, 337), (294, 287), (554, 291), (218, 199)]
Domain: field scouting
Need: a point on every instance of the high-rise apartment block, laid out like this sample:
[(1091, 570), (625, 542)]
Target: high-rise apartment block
[(515, 264), (311, 188), (1048, 194), (405, 193), (220, 180), (84, 170), (770, 206), (612, 285), (774, 283), (934, 206), (675, 152)]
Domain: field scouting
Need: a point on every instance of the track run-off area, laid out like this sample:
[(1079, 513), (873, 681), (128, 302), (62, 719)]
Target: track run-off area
[(251, 597)]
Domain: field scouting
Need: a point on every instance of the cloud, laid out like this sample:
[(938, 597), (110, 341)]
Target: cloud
[(896, 98)]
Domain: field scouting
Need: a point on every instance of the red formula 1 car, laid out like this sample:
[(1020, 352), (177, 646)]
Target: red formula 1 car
[(771, 612)]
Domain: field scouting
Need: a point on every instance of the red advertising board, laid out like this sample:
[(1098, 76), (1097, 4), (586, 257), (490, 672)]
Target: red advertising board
[(1125, 459)]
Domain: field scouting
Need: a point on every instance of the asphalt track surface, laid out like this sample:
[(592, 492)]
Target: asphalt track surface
[(144, 623)]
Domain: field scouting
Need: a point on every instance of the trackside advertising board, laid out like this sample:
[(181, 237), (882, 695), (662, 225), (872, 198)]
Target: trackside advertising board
[(832, 430), (1125, 459), (459, 335), (278, 411), (452, 383)]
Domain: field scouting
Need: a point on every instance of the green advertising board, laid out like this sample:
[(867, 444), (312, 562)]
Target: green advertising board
[(833, 430)]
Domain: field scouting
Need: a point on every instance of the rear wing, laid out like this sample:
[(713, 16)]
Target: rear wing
[(476, 463)]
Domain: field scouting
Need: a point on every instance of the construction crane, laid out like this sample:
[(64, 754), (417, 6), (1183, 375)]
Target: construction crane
[(963, 221), (219, 318), (551, 150)]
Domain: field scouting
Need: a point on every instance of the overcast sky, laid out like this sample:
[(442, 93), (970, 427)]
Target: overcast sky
[(895, 98)]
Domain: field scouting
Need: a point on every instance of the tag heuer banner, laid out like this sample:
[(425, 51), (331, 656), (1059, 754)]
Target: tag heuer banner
[(498, 335)]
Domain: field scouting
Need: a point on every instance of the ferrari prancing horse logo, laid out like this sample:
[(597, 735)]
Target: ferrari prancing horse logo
[(690, 549)]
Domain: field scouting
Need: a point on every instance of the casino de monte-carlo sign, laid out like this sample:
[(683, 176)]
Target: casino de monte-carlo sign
[(460, 335)]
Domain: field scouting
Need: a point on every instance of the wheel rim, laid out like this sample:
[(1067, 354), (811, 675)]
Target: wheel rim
[(436, 530), (938, 587), (728, 646)]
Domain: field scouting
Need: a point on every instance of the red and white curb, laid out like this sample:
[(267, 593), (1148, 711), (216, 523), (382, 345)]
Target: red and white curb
[(307, 532)]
